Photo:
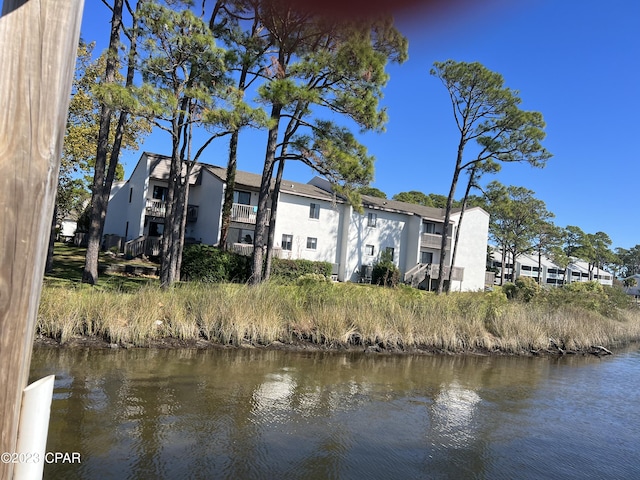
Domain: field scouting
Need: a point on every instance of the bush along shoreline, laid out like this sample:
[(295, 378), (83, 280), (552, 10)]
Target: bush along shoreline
[(311, 312)]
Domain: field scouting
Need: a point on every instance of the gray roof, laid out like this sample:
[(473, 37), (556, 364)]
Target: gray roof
[(253, 180), (405, 207), (160, 170)]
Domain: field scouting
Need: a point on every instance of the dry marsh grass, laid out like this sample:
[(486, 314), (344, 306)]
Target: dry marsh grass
[(335, 315)]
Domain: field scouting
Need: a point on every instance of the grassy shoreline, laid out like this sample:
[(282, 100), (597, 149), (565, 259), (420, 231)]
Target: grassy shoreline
[(323, 315)]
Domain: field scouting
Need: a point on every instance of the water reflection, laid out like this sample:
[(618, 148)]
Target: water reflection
[(269, 414)]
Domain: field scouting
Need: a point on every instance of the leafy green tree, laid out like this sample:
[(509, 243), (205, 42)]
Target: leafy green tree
[(236, 24), (515, 216), (320, 68), (547, 237), (415, 197), (629, 260), (185, 86), (372, 192), (597, 252), (488, 113), (107, 152)]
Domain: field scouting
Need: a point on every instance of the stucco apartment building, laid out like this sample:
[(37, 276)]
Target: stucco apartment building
[(550, 274), (312, 223)]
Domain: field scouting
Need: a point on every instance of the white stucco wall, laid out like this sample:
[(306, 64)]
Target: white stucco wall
[(208, 196), (391, 230), (115, 221), (472, 249), (293, 219)]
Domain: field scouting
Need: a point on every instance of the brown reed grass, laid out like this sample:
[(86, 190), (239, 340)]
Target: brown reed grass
[(330, 315)]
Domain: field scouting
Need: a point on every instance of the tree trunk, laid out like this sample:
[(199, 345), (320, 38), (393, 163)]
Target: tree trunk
[(272, 222), (48, 267), (167, 237), (470, 184), (263, 198), (100, 195), (447, 218), (229, 189)]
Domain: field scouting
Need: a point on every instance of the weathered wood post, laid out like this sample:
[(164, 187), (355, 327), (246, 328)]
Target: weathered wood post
[(38, 42)]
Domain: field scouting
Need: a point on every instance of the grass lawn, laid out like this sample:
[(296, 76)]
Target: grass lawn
[(68, 263)]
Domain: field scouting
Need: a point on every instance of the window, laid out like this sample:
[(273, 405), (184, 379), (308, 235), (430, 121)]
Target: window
[(287, 242), (526, 267), (426, 257), (369, 250), (160, 193), (192, 213), (372, 219), (428, 227), (243, 198), (314, 211), (245, 236), (156, 229), (388, 251), (312, 243), (130, 194)]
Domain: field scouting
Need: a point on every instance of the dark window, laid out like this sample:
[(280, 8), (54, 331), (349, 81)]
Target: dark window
[(243, 198), (389, 252), (372, 220), (130, 194), (428, 227), (160, 193), (314, 211), (369, 250), (156, 229), (192, 213), (426, 257), (312, 243), (287, 242)]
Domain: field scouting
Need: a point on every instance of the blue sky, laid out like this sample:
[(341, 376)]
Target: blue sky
[(576, 62)]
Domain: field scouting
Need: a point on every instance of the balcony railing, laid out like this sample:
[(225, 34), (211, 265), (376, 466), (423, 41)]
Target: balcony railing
[(432, 240), (244, 213), (155, 207), (421, 271)]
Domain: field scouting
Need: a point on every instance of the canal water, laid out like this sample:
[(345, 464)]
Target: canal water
[(256, 414)]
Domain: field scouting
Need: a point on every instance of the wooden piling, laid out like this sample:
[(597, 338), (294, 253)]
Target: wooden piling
[(38, 42)]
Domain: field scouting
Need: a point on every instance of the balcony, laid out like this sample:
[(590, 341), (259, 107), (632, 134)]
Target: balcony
[(244, 213), (432, 240), (155, 207)]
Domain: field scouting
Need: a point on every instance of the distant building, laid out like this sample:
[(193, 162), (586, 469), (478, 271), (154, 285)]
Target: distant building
[(547, 272)]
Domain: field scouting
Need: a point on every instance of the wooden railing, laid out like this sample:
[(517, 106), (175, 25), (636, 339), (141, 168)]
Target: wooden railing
[(150, 246), (416, 275), (155, 207), (456, 275), (245, 213), (433, 241)]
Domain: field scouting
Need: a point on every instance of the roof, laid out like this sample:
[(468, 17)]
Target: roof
[(253, 181), (159, 169), (405, 207)]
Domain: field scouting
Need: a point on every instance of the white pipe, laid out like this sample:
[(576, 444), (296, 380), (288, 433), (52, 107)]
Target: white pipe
[(33, 429)]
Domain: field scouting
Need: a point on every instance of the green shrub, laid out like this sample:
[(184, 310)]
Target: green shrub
[(590, 296), (509, 289), (524, 289), (289, 271), (385, 272), (205, 263)]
